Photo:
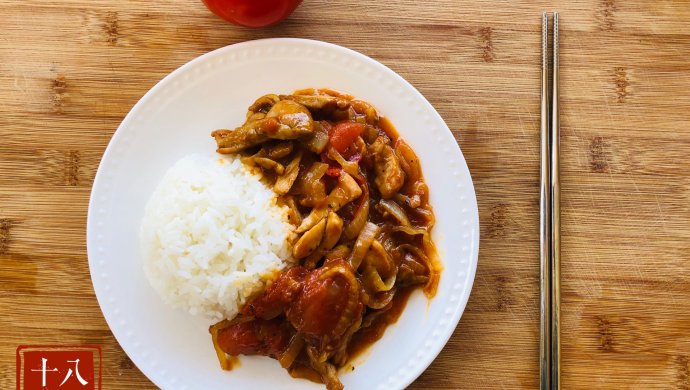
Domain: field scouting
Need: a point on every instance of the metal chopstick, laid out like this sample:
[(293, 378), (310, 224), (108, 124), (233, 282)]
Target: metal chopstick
[(545, 219), (555, 219)]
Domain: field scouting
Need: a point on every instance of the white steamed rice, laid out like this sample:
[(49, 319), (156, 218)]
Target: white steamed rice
[(212, 234)]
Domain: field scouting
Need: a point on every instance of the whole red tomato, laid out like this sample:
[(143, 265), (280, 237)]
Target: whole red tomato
[(252, 13)]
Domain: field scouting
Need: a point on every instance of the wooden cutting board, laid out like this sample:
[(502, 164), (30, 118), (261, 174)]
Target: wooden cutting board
[(70, 70)]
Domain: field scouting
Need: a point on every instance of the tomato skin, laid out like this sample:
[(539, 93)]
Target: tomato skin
[(252, 13), (344, 134), (258, 337)]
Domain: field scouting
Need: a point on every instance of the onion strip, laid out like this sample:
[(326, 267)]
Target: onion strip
[(409, 162), (364, 240), (373, 279), (320, 139), (293, 350), (361, 215), (380, 300), (395, 211), (411, 231), (339, 252), (351, 167), (310, 185), (225, 362), (287, 179)]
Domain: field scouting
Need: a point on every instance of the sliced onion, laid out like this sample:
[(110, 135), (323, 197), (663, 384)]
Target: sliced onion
[(351, 167), (367, 110), (364, 240), (413, 201), (433, 268), (361, 215), (345, 192), (377, 262), (370, 133), (395, 211), (316, 171), (380, 259), (285, 181), (269, 164), (427, 214), (225, 362), (413, 265), (309, 183), (408, 277), (421, 190), (279, 150), (411, 231), (293, 214), (293, 350), (380, 300), (339, 252), (373, 280), (421, 257), (320, 139), (409, 162)]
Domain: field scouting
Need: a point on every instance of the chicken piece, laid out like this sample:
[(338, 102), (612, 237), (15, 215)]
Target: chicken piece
[(279, 150), (309, 240), (293, 214), (286, 120), (345, 192), (269, 164), (287, 179), (334, 229), (261, 106), (389, 176), (264, 103), (366, 110), (318, 103), (295, 120)]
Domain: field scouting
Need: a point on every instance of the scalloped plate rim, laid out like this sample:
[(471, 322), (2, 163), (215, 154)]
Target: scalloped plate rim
[(101, 177)]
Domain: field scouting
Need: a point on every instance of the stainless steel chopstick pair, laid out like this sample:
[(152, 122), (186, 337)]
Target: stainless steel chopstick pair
[(549, 234)]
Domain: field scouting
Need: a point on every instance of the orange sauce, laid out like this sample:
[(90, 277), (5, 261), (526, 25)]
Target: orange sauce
[(365, 337)]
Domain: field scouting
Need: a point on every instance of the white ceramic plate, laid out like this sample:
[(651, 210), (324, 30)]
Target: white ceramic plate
[(174, 119)]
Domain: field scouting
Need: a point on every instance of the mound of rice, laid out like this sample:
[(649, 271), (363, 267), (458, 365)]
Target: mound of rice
[(212, 234)]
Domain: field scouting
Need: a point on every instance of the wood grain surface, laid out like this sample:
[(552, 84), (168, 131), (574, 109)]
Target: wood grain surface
[(70, 70)]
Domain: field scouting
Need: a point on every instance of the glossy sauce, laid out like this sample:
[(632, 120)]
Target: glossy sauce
[(365, 337), (317, 305), (435, 274)]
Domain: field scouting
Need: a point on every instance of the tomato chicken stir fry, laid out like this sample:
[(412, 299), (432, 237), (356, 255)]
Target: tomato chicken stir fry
[(362, 242)]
